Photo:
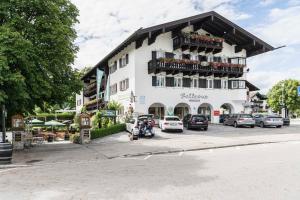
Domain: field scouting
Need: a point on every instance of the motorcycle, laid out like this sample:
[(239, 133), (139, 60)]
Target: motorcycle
[(146, 131)]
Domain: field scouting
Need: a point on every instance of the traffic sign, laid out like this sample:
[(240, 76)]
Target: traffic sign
[(298, 89)]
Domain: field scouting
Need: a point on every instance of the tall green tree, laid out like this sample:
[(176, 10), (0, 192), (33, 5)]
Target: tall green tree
[(37, 51), (284, 93)]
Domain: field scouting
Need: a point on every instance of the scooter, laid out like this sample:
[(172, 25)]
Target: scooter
[(147, 131)]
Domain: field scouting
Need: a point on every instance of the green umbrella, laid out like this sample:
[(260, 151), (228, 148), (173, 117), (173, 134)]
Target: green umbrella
[(54, 123), (35, 121)]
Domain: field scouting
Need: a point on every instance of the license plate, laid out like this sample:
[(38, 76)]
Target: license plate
[(199, 122), (173, 124)]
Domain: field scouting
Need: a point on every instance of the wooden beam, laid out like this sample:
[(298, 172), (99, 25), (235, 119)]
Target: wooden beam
[(152, 37), (239, 48)]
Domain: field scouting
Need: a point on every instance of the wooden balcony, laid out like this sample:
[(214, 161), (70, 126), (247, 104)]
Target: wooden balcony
[(94, 104), (90, 90), (202, 43), (193, 67)]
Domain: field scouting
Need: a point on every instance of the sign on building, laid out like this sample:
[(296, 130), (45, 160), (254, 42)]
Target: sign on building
[(298, 89)]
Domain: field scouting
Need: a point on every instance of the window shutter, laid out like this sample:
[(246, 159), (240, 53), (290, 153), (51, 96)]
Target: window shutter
[(217, 84), (120, 62), (170, 81), (153, 80), (154, 55), (127, 59), (229, 84), (169, 55), (202, 83), (186, 82)]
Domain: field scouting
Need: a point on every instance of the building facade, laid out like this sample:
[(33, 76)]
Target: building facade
[(194, 65)]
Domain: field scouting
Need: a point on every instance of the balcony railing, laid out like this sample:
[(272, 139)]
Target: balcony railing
[(90, 90), (176, 66), (94, 104), (198, 42)]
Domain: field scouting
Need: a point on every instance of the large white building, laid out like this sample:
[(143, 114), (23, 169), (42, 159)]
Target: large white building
[(193, 65)]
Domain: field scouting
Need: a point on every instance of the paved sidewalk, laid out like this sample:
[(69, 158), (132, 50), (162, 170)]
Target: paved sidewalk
[(119, 145)]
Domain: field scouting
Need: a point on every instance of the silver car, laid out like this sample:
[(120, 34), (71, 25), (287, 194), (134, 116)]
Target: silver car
[(268, 120)]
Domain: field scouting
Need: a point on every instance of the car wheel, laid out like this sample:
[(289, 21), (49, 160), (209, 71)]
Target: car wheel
[(235, 125), (262, 125), (252, 126), (278, 126), (206, 128)]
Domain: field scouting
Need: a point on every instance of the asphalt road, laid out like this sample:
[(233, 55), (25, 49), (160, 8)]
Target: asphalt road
[(269, 171)]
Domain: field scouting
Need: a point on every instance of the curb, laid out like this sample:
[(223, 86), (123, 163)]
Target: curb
[(9, 166), (195, 149)]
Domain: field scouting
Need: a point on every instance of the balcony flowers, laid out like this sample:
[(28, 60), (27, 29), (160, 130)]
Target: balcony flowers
[(179, 61), (204, 38), (220, 64)]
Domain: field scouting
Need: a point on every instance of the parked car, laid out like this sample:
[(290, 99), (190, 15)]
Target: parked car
[(238, 120), (286, 121), (133, 128), (171, 123), (223, 117), (150, 118), (266, 120), (195, 122)]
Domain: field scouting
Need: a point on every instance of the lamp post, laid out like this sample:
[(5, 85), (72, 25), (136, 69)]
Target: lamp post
[(283, 110)]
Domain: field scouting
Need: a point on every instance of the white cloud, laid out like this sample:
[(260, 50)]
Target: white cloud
[(281, 27), (105, 24)]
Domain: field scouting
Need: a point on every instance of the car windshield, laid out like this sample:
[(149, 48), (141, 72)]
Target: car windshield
[(198, 117), (172, 119), (245, 116), (149, 117)]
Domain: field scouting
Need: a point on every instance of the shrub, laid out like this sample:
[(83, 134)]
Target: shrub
[(52, 116), (102, 132)]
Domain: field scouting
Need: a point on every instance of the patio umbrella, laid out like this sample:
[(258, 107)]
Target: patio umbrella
[(54, 123), (35, 121)]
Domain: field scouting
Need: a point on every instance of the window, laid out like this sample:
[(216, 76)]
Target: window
[(170, 81), (113, 68), (217, 84), (160, 81), (202, 83), (242, 84), (124, 85), (178, 82), (235, 84), (186, 82), (225, 84), (160, 54), (113, 89), (194, 57), (124, 61), (195, 83), (210, 83)]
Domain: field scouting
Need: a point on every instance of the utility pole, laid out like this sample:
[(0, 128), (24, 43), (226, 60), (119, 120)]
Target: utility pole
[(3, 124)]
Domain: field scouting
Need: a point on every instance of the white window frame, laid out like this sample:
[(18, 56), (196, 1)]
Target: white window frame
[(194, 57), (235, 84), (161, 81), (113, 86), (224, 84), (178, 56), (210, 83), (124, 84), (178, 82), (242, 84), (195, 80)]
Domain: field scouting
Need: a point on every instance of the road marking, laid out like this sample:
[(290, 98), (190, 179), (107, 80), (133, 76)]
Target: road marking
[(180, 153), (147, 157)]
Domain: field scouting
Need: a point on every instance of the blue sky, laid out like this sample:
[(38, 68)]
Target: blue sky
[(104, 24)]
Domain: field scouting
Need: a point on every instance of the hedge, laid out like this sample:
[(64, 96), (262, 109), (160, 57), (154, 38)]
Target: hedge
[(51, 116), (102, 132)]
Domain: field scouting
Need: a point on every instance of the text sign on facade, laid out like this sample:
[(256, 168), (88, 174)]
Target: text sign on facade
[(108, 113), (298, 89), (216, 113), (192, 97)]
